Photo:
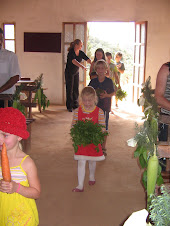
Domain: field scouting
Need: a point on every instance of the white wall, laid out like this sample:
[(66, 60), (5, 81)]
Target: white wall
[(47, 16)]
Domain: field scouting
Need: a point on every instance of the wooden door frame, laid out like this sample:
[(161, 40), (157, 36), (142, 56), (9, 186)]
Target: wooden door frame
[(67, 43), (144, 65)]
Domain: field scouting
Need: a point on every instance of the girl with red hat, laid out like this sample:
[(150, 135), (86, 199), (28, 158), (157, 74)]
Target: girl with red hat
[(17, 198)]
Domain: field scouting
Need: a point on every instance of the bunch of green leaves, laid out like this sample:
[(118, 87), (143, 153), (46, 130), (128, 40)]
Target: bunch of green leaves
[(16, 99), (39, 95), (150, 104), (121, 94), (39, 81), (17, 104), (160, 208), (87, 132), (99, 91), (146, 138), (147, 134)]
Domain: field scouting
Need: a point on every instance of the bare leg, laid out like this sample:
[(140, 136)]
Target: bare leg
[(116, 102)]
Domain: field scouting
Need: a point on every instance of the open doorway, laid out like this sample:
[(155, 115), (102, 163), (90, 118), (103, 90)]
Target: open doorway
[(131, 41), (113, 37)]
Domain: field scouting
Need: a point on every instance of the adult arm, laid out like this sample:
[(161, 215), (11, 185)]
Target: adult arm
[(160, 87), (75, 62), (89, 61), (12, 81), (91, 68)]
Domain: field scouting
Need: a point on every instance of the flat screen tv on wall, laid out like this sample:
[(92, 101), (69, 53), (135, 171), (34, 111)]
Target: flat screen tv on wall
[(42, 42)]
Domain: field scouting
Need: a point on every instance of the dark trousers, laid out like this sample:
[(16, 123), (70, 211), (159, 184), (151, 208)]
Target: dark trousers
[(163, 132), (106, 115), (72, 90), (163, 136)]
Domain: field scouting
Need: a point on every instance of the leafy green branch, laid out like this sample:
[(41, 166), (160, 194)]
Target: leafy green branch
[(147, 100), (160, 208), (121, 94), (146, 139), (87, 132), (16, 99), (39, 95)]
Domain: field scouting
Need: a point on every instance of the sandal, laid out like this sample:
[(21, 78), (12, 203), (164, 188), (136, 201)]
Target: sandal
[(77, 190), (92, 182)]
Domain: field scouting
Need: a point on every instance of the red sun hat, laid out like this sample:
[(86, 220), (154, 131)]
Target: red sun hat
[(13, 121)]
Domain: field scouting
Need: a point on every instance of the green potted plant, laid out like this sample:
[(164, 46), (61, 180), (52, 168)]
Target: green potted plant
[(43, 102), (160, 208), (146, 139), (17, 96)]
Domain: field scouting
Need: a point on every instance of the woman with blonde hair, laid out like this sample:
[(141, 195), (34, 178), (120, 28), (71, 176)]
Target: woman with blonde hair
[(74, 58)]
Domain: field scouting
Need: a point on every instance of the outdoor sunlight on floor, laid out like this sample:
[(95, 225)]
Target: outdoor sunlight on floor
[(127, 110)]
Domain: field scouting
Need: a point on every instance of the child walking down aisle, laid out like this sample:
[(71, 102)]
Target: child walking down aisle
[(88, 110), (17, 197), (105, 88)]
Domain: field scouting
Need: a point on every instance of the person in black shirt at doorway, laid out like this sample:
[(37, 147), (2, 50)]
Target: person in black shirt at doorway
[(74, 57)]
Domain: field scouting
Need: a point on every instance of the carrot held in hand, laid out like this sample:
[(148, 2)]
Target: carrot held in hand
[(6, 174)]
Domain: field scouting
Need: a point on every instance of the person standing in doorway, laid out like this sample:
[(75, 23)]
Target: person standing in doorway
[(113, 72), (98, 55), (120, 67), (74, 57), (9, 71)]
